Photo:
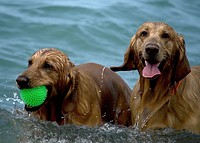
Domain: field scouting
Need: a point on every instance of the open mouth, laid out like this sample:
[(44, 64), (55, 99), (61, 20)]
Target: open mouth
[(152, 70), (32, 109)]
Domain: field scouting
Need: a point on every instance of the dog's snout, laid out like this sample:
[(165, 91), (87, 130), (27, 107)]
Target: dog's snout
[(152, 49), (22, 81)]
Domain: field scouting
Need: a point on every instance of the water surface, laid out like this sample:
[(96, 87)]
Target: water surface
[(87, 31)]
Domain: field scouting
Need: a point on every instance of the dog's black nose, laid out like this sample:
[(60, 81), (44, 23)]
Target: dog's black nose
[(152, 49), (22, 81)]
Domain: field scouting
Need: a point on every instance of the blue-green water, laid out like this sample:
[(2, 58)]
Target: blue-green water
[(87, 31)]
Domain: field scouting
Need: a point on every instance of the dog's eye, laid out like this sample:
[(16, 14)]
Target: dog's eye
[(165, 35), (47, 66), (143, 34), (30, 63)]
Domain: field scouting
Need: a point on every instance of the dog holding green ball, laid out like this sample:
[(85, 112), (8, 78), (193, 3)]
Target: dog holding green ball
[(54, 89)]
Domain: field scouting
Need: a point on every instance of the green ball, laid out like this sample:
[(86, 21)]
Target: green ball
[(34, 96)]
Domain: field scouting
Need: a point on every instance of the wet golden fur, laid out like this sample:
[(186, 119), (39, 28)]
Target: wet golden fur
[(88, 94), (172, 98)]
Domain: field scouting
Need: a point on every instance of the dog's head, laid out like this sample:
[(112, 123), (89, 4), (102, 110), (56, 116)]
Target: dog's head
[(49, 67), (155, 47)]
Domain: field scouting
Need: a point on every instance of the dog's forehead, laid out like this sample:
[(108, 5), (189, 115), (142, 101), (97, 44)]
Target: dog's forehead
[(44, 51), (155, 26), (49, 54)]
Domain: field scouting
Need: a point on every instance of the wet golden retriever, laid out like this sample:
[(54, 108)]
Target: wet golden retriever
[(88, 94), (167, 93)]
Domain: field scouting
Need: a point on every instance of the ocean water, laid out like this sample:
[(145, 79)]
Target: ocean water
[(87, 31)]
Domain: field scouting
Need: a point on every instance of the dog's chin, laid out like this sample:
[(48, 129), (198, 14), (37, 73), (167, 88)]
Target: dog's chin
[(33, 109)]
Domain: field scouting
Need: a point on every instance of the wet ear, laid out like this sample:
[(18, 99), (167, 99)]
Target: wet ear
[(70, 66), (182, 68), (128, 58)]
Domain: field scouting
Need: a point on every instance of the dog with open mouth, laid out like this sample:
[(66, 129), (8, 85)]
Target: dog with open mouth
[(167, 93), (87, 94)]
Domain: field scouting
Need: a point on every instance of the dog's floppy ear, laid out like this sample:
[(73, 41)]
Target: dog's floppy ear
[(128, 58), (182, 68), (70, 69)]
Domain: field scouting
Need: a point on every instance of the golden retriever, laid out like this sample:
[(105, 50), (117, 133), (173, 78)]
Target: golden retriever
[(88, 94), (167, 93)]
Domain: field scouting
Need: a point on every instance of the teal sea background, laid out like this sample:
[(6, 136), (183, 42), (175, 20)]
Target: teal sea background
[(87, 31)]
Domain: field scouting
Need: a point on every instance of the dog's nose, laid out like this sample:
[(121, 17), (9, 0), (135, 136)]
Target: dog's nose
[(22, 81), (152, 49)]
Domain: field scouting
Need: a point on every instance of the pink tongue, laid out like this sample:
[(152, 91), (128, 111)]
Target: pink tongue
[(150, 70)]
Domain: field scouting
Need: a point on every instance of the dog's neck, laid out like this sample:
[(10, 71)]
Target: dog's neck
[(154, 94)]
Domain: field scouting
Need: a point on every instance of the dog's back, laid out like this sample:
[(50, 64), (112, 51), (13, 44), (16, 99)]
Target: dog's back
[(114, 93)]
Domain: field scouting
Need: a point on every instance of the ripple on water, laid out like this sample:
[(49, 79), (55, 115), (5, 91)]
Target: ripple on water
[(17, 126)]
